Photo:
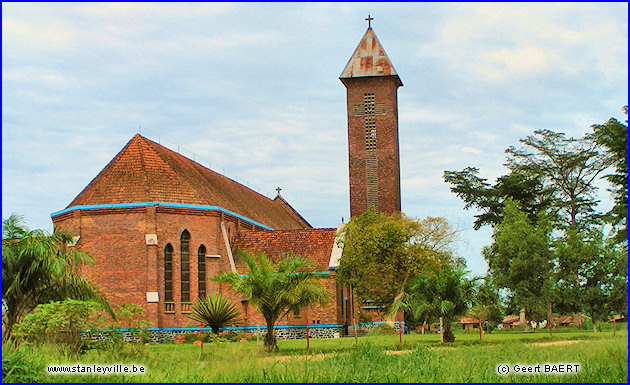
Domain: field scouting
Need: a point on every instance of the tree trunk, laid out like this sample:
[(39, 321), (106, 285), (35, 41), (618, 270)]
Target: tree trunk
[(550, 319), (354, 317), (441, 330), (308, 344), (480, 333), (270, 338), (614, 325), (448, 335), (424, 324), (11, 320), (523, 319)]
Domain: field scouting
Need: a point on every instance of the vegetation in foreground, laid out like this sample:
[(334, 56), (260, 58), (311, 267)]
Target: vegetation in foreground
[(421, 358)]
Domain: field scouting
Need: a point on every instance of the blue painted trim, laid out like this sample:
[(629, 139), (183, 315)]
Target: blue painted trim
[(164, 204), (332, 267), (373, 307), (315, 273), (226, 328)]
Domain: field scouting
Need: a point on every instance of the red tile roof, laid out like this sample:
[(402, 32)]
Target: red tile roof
[(467, 320), (145, 171), (313, 244), (510, 319)]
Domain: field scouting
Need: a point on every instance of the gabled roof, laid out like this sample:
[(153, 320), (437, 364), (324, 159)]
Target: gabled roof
[(145, 171), (314, 244), (369, 59)]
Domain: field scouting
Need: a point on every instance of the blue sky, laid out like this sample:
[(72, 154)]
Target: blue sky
[(252, 90)]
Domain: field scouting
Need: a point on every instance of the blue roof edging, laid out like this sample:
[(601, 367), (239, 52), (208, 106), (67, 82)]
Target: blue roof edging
[(226, 328), (165, 204)]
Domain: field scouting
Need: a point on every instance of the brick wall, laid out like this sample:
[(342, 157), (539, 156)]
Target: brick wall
[(384, 89), (125, 267)]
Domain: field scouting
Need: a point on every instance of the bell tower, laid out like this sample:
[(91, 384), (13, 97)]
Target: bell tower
[(372, 97)]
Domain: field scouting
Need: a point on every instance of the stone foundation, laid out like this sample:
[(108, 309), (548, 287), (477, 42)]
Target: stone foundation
[(283, 332)]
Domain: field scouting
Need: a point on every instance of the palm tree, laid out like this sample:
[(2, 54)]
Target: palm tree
[(38, 267), (276, 289), (444, 293), (215, 311)]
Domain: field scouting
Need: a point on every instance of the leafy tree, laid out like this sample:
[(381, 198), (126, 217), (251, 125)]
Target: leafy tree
[(569, 165), (613, 135), (214, 310), (276, 289), (475, 191), (38, 267), (487, 303), (520, 258), (599, 287), (440, 292), (381, 253)]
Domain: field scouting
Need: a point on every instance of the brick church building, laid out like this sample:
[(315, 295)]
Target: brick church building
[(160, 225)]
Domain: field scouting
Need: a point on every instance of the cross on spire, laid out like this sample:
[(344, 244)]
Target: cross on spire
[(369, 20), (278, 190)]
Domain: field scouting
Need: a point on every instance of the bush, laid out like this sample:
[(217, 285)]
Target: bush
[(382, 329), (57, 323)]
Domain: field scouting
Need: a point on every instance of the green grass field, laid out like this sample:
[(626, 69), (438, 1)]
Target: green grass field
[(421, 358)]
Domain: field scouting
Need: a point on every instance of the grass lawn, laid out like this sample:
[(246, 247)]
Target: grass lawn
[(421, 358)]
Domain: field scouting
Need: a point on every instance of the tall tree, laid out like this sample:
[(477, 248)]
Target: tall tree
[(381, 253), (277, 288), (527, 190), (520, 258), (38, 267), (599, 287), (613, 135), (569, 165)]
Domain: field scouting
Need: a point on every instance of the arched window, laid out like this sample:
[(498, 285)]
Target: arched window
[(168, 273), (185, 260), (201, 270)]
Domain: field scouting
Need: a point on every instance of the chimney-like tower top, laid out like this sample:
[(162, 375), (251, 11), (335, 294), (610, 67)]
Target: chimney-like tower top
[(369, 59)]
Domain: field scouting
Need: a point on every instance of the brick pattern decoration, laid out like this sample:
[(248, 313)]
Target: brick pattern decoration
[(145, 171)]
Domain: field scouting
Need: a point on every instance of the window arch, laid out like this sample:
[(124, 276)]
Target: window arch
[(185, 265), (201, 270), (168, 273)]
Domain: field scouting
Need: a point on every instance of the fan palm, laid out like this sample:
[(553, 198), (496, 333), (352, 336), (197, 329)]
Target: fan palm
[(444, 292), (276, 289), (38, 267), (214, 310)]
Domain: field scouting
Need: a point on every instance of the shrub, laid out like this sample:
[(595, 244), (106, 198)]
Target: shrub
[(214, 310), (56, 322), (382, 329)]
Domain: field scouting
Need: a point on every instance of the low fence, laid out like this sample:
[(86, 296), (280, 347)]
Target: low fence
[(283, 332)]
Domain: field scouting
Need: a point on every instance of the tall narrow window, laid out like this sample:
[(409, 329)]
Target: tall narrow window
[(371, 160), (185, 261), (201, 270), (168, 273)]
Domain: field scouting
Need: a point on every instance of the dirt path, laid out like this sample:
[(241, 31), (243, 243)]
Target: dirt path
[(396, 352), (556, 343), (314, 357)]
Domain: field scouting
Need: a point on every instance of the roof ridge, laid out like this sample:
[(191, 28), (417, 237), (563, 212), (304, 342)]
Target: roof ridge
[(205, 168), (286, 206)]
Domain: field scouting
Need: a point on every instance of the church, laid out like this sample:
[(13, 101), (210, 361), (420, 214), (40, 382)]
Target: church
[(159, 225)]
